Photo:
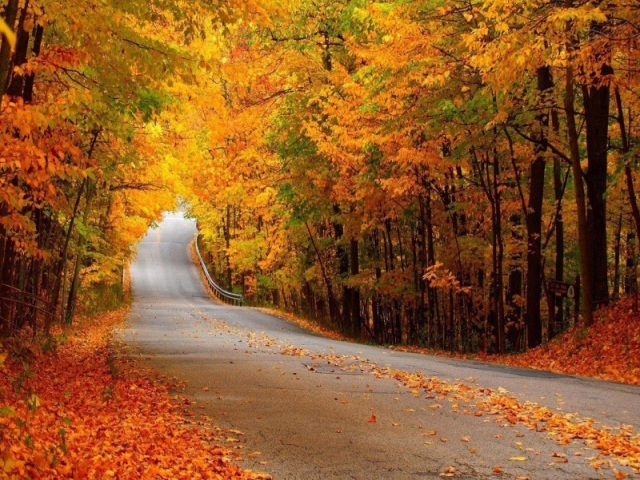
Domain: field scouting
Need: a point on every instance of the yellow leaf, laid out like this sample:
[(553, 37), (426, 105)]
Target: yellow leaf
[(34, 401), (519, 459), (8, 33)]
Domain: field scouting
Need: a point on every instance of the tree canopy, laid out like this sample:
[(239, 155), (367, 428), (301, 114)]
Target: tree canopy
[(432, 173)]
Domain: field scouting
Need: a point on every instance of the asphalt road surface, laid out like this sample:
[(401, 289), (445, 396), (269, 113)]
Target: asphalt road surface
[(304, 404)]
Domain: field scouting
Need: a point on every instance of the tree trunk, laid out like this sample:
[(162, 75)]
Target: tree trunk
[(586, 263), (596, 110), (615, 293), (534, 221), (30, 79), (10, 15), (81, 246), (227, 239), (16, 84), (325, 276), (498, 257), (556, 318), (626, 147), (356, 317)]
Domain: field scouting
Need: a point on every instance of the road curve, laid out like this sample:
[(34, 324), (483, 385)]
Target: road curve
[(310, 419)]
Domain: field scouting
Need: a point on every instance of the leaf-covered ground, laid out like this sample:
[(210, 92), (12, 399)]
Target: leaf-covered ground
[(79, 412), (610, 349)]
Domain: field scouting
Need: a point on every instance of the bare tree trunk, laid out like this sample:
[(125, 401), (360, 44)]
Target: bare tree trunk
[(586, 263), (534, 221), (556, 318), (626, 147)]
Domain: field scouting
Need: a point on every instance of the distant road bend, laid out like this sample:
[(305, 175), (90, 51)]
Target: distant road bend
[(310, 419)]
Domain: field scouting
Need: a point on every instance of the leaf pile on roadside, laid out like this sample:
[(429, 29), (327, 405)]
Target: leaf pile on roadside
[(80, 413)]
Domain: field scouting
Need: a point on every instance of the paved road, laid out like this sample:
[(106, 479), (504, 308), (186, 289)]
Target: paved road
[(309, 418)]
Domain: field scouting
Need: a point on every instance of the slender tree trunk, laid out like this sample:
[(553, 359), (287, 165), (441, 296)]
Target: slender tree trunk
[(630, 280), (16, 84), (586, 263), (325, 276), (616, 260), (81, 245), (596, 110), (626, 147), (534, 221), (499, 256), (556, 318), (62, 261), (346, 322), (10, 15), (227, 239), (356, 314), (30, 79)]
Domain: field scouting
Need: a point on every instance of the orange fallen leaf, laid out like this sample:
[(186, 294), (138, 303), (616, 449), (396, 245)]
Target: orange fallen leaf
[(448, 472)]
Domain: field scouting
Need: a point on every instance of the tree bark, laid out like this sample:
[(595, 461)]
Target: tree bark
[(16, 83), (596, 111), (534, 221), (586, 263), (556, 318), (10, 15)]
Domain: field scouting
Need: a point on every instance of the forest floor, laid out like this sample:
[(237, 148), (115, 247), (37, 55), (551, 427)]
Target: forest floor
[(609, 350), (72, 408)]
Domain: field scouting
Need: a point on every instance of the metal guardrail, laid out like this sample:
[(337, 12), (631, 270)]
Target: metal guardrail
[(221, 293)]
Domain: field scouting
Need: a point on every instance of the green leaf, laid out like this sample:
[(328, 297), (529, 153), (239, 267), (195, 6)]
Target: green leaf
[(7, 412)]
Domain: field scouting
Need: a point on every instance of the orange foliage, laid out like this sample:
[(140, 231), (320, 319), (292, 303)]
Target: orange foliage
[(81, 414), (610, 349)]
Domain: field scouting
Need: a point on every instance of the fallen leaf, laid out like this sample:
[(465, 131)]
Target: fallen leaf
[(448, 472)]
